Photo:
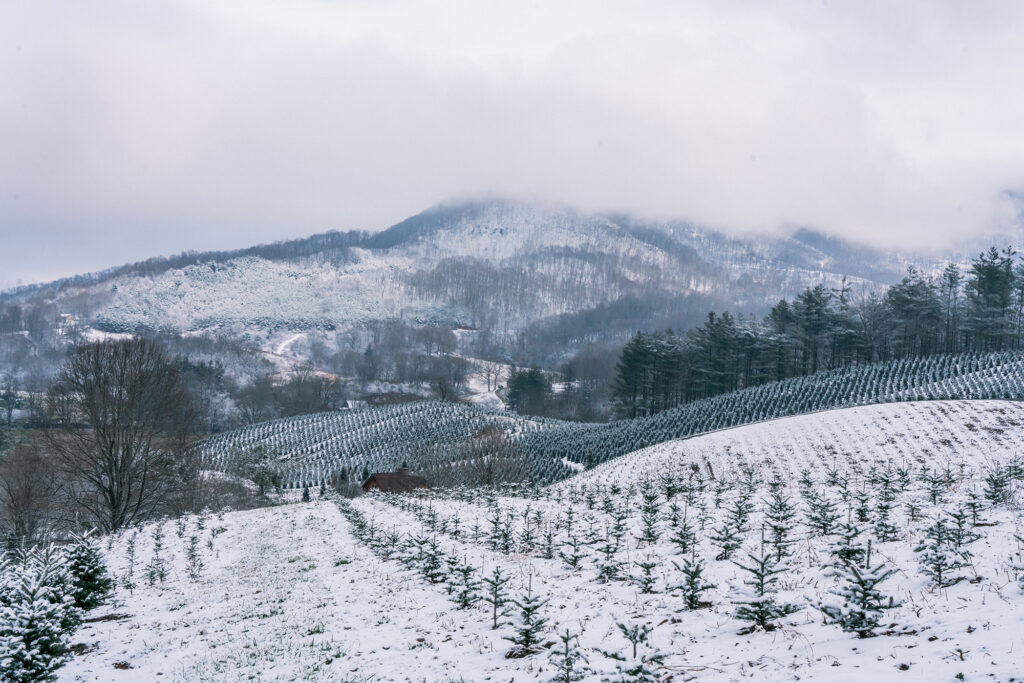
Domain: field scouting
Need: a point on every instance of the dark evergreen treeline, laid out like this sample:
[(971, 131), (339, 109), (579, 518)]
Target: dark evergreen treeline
[(978, 309)]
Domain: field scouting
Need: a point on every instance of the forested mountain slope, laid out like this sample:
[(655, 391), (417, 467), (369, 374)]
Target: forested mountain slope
[(498, 265)]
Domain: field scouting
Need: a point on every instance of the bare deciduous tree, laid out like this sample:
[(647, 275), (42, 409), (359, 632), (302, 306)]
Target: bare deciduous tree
[(29, 492), (122, 430)]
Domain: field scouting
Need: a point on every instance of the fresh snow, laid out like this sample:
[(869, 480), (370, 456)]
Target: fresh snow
[(287, 592), (936, 432)]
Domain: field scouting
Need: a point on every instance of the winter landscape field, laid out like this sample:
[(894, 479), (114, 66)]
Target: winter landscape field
[(396, 588), (448, 341)]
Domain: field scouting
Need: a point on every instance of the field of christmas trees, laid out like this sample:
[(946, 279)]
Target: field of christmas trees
[(877, 542), (311, 450)]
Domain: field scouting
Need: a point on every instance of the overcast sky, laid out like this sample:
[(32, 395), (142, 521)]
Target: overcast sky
[(130, 129)]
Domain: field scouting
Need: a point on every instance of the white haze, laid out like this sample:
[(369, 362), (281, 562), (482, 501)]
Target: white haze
[(130, 129)]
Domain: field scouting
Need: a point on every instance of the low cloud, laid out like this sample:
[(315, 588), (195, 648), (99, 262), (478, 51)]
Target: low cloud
[(134, 129)]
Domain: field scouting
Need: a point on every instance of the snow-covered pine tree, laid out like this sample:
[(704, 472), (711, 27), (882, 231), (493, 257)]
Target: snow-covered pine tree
[(961, 532), (467, 588), (939, 560), (608, 565), (913, 508), (527, 637), (129, 578), (862, 505), (683, 534), (569, 659), (451, 568), (760, 606), (571, 554), (649, 513), (548, 547), (997, 485), (88, 571), (496, 595), (193, 562), (779, 514), (861, 604), (156, 570), (693, 585), (975, 504), (645, 578), (431, 560), (884, 528), (806, 483), (527, 536), (934, 484), (37, 615), (846, 547), (821, 515), (620, 525), (637, 669), (727, 537)]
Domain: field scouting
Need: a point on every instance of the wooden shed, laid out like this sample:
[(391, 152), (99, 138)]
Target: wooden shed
[(395, 482)]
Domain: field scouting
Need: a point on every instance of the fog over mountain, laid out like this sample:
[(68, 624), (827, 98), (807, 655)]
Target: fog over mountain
[(496, 264), (132, 130)]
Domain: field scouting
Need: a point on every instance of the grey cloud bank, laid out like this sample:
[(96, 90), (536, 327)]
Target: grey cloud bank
[(129, 130)]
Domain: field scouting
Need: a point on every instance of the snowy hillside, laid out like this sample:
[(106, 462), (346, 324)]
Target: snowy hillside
[(940, 434), (387, 588), (490, 263)]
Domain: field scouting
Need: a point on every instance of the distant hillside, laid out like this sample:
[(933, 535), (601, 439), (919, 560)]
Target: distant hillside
[(499, 265)]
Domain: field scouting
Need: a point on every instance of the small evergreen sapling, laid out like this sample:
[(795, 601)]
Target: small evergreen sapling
[(779, 514), (467, 591), (88, 571), (496, 595), (846, 548), (637, 669), (527, 637), (727, 537), (156, 570), (884, 529), (608, 566), (649, 512), (938, 558), (693, 585), (760, 606), (193, 562), (645, 578), (997, 485), (683, 534), (861, 603), (129, 578), (571, 554), (821, 514), (568, 659)]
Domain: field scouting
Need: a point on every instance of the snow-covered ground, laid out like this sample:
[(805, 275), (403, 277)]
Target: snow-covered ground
[(936, 432), (289, 593)]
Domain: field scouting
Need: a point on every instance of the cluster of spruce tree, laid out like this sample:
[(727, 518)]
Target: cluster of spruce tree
[(977, 310), (44, 593)]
